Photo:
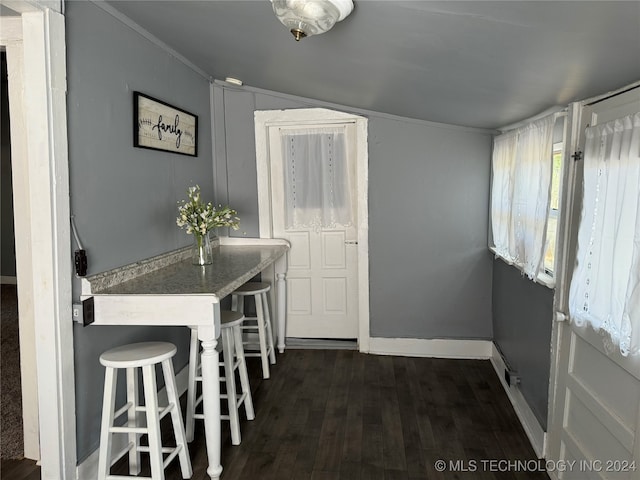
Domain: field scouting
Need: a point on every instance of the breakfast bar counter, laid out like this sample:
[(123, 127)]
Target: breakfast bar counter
[(169, 290)]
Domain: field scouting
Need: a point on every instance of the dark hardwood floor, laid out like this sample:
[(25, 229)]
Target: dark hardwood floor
[(342, 415), (12, 469)]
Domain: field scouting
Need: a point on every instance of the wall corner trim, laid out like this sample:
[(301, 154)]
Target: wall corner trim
[(439, 348), (532, 427)]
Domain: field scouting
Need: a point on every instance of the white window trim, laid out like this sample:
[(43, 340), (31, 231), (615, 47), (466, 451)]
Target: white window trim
[(542, 278), (545, 276)]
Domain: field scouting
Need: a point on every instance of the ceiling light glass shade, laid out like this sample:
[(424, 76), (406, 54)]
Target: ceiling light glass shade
[(310, 17)]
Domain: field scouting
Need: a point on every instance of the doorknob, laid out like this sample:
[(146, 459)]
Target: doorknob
[(350, 242)]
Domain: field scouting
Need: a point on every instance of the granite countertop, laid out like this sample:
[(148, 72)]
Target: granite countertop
[(233, 265)]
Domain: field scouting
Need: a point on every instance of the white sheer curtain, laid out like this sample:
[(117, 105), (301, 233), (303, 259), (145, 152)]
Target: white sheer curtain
[(316, 179), (520, 193), (504, 158), (605, 288)]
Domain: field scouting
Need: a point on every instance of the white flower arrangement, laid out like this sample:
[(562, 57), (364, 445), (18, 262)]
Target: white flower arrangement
[(198, 218)]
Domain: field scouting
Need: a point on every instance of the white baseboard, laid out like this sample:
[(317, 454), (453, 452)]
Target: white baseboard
[(320, 344), (439, 348), (7, 280), (529, 422), (88, 469)]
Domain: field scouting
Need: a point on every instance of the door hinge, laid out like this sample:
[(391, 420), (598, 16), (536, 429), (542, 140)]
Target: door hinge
[(577, 156)]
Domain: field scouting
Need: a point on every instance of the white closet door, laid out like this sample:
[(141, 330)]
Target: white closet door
[(322, 281)]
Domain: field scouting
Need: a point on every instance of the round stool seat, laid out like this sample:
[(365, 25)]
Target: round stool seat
[(138, 354), (252, 288), (229, 318)]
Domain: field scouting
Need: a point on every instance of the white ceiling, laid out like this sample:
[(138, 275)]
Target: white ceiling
[(472, 63)]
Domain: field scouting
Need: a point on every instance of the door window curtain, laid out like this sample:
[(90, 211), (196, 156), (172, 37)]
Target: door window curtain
[(605, 287), (521, 183), (317, 179)]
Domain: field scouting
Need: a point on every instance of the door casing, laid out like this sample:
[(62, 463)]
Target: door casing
[(43, 264)]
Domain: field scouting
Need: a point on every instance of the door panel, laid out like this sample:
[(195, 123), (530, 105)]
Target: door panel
[(334, 253), (596, 419), (591, 367), (601, 408), (335, 296), (299, 296), (300, 253)]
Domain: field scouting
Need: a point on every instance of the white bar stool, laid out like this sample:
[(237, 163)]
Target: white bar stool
[(131, 357), (233, 356), (261, 322)]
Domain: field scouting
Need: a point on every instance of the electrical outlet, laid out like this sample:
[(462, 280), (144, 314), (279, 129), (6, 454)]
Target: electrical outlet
[(80, 260), (88, 313), (77, 312), (512, 378)]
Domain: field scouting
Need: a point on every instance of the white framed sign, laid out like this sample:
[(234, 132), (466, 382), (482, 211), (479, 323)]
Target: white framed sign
[(160, 126)]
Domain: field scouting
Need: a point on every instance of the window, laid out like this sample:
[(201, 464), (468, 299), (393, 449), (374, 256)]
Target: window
[(554, 206), (520, 200)]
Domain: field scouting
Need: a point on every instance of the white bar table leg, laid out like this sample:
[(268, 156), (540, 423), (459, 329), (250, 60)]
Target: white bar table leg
[(211, 393), (282, 309)]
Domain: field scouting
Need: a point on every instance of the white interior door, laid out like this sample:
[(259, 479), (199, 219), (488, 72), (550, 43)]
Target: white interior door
[(322, 280), (595, 425)]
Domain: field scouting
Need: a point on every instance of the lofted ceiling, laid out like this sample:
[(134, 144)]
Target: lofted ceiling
[(471, 63)]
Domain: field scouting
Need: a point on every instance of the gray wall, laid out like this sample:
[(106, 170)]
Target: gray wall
[(7, 245), (522, 321), (430, 270), (123, 198)]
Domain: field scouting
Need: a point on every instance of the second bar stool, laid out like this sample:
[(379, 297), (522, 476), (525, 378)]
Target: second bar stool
[(261, 322), (230, 323)]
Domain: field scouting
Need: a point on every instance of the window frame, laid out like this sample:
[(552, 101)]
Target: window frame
[(547, 276)]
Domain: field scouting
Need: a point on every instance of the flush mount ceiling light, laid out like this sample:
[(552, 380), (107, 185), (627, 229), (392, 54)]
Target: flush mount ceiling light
[(311, 17)]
